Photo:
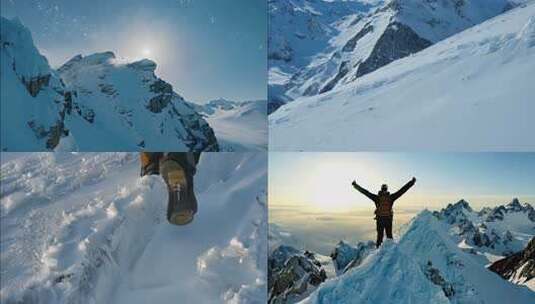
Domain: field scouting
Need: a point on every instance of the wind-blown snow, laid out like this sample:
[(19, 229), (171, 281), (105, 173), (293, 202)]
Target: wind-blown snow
[(85, 228), (469, 92)]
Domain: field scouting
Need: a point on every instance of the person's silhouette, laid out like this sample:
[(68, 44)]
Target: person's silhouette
[(384, 202)]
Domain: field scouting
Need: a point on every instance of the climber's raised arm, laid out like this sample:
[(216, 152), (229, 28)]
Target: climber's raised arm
[(403, 189), (370, 195)]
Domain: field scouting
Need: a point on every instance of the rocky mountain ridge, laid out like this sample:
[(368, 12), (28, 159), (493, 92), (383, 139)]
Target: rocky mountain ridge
[(360, 42), (444, 244), (91, 103)]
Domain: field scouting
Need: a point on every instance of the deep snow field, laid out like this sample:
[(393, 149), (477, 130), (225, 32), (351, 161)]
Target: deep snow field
[(85, 228)]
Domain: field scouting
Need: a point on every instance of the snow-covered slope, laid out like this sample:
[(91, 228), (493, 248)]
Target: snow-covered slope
[(238, 126), (387, 276), (126, 107), (92, 103), (32, 96), (356, 44), (85, 228), (469, 92), (425, 267), (441, 257), (298, 30), (428, 242)]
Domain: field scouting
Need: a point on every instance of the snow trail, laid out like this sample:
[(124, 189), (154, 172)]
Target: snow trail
[(84, 228)]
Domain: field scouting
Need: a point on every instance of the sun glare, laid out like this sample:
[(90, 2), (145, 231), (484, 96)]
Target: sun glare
[(326, 185), (146, 52)]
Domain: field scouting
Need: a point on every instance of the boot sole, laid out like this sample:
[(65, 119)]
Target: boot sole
[(182, 218)]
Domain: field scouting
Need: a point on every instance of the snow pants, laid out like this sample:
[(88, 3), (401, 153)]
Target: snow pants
[(384, 223)]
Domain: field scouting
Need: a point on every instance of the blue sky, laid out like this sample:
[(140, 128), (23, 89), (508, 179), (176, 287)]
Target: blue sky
[(205, 48), (483, 178)]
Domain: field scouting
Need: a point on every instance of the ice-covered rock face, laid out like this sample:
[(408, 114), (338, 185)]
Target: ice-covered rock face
[(518, 268), (33, 98), (128, 100), (292, 274), (346, 257)]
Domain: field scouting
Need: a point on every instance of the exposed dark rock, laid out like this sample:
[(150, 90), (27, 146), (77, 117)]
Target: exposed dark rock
[(520, 265), (273, 105), (433, 274), (107, 89), (397, 41), (346, 257), (35, 84), (342, 71), (291, 273)]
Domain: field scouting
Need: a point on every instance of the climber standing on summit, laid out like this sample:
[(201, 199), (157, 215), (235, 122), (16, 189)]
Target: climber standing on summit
[(384, 201), (177, 169)]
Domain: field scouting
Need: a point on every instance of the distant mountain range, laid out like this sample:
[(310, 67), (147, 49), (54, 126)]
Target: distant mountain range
[(440, 257)]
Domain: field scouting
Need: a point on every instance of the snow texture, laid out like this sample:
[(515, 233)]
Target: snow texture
[(425, 266), (85, 228)]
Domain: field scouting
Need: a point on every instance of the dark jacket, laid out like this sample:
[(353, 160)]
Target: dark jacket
[(384, 200)]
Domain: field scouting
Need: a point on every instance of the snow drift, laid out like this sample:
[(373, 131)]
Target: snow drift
[(85, 228)]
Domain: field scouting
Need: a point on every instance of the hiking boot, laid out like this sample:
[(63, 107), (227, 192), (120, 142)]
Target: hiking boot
[(150, 163), (182, 204)]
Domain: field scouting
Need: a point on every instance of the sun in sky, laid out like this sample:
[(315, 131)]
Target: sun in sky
[(146, 52), (321, 182)]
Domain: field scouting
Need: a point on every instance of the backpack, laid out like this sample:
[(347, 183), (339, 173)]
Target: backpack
[(384, 205)]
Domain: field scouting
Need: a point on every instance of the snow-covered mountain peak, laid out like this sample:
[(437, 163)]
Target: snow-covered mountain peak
[(18, 43), (121, 96), (32, 95), (389, 267), (94, 102), (144, 65), (107, 59), (461, 207)]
